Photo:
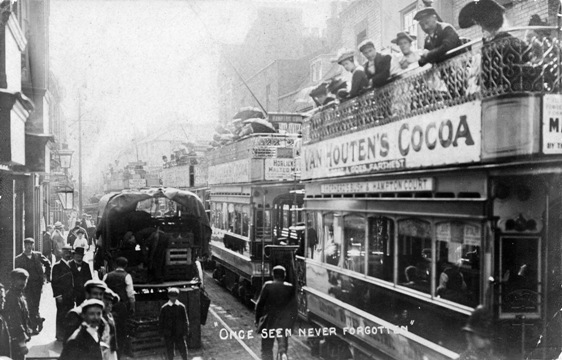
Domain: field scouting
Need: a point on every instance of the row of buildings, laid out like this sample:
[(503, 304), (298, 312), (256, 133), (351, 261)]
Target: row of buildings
[(35, 186)]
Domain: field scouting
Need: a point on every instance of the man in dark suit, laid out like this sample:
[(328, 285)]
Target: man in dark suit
[(441, 37), (81, 273), (17, 314), (85, 342), (174, 325), (5, 339), (377, 67), (33, 262), (276, 309), (63, 289)]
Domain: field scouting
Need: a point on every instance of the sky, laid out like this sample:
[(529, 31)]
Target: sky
[(134, 66)]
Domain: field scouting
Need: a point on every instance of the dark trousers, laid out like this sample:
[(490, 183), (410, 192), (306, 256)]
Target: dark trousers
[(267, 346), (121, 316), (179, 343), (32, 294), (62, 309)]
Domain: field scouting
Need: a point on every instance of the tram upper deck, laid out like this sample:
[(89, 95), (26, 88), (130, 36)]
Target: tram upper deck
[(493, 101)]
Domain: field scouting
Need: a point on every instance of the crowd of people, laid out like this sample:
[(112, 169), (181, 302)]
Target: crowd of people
[(500, 49)]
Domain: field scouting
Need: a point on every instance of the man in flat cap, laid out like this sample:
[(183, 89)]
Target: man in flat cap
[(441, 37), (174, 324), (17, 314), (63, 289), (94, 289), (359, 80), (479, 336), (81, 273), (377, 67), (276, 309), (86, 343), (33, 262)]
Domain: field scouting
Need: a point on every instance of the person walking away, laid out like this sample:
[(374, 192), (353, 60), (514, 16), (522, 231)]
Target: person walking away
[(94, 289), (85, 343), (81, 240), (479, 334), (73, 234), (58, 240), (17, 314), (63, 289), (174, 325), (48, 243), (81, 273), (33, 262), (110, 333), (276, 309), (121, 283), (5, 339)]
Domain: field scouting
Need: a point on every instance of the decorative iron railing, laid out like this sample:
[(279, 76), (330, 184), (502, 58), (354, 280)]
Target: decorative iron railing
[(525, 60)]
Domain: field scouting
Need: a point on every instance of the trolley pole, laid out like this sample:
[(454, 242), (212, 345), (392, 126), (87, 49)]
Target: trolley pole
[(80, 204)]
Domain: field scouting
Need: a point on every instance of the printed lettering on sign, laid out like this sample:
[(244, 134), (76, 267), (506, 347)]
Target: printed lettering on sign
[(552, 124), (384, 186), (232, 172), (449, 136)]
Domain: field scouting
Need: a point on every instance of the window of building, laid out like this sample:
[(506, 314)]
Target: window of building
[(408, 23), (316, 71)]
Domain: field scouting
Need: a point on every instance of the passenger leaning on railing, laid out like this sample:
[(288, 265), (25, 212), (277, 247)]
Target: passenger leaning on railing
[(377, 67), (359, 80), (441, 37), (408, 58)]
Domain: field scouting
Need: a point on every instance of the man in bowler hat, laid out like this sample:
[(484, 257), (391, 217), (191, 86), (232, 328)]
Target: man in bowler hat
[(33, 262), (63, 289), (81, 273), (276, 309), (441, 37)]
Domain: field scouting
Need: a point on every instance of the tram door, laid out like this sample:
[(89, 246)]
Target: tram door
[(283, 255)]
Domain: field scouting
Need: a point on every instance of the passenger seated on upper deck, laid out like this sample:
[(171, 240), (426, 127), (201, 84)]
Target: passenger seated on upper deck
[(377, 67), (320, 95), (441, 37), (359, 80), (418, 276), (408, 58), (502, 53)]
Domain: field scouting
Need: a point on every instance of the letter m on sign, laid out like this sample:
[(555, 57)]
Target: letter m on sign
[(554, 125)]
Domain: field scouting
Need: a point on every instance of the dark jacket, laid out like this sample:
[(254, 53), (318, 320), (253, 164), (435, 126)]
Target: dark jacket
[(382, 70), (278, 301), (443, 39), (63, 281), (5, 339), (34, 266), (80, 278), (17, 316), (47, 244), (115, 280), (81, 345), (359, 82), (173, 320)]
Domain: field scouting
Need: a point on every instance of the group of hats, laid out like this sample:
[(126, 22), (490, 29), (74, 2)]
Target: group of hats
[(484, 12)]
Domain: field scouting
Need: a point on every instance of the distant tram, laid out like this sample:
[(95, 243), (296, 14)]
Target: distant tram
[(256, 204), (423, 202)]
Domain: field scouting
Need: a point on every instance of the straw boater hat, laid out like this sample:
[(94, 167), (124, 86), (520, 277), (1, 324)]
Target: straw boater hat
[(488, 13), (344, 54), (28, 240), (92, 302), (425, 12), (366, 43), (58, 225), (95, 283), (403, 35)]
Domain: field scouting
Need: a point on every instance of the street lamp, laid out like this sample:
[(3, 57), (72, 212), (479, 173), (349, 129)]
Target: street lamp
[(65, 157)]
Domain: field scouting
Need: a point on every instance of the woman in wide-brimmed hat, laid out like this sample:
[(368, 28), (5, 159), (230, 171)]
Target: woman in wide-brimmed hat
[(408, 59)]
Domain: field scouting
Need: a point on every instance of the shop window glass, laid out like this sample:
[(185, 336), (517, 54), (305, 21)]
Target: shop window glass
[(381, 248), (520, 282), (332, 246), (414, 254), (354, 243), (458, 262)]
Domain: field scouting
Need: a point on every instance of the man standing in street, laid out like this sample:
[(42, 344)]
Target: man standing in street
[(17, 314), (122, 284), (174, 325), (48, 243), (81, 273), (58, 240), (276, 309), (5, 339), (441, 37), (33, 262), (63, 289)]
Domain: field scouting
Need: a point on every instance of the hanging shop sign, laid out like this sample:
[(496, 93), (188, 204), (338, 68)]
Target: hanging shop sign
[(444, 137), (552, 124), (383, 186)]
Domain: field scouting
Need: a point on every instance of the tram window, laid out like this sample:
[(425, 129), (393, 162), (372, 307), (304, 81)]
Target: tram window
[(332, 248), (314, 234), (354, 242), (380, 248), (414, 254), (245, 219), (519, 266), (263, 223), (286, 216), (458, 262)]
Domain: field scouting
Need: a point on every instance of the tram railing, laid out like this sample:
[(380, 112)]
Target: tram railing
[(527, 61)]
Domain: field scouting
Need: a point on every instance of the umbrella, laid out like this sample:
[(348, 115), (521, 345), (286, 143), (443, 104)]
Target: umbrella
[(249, 113), (485, 12), (260, 126)]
